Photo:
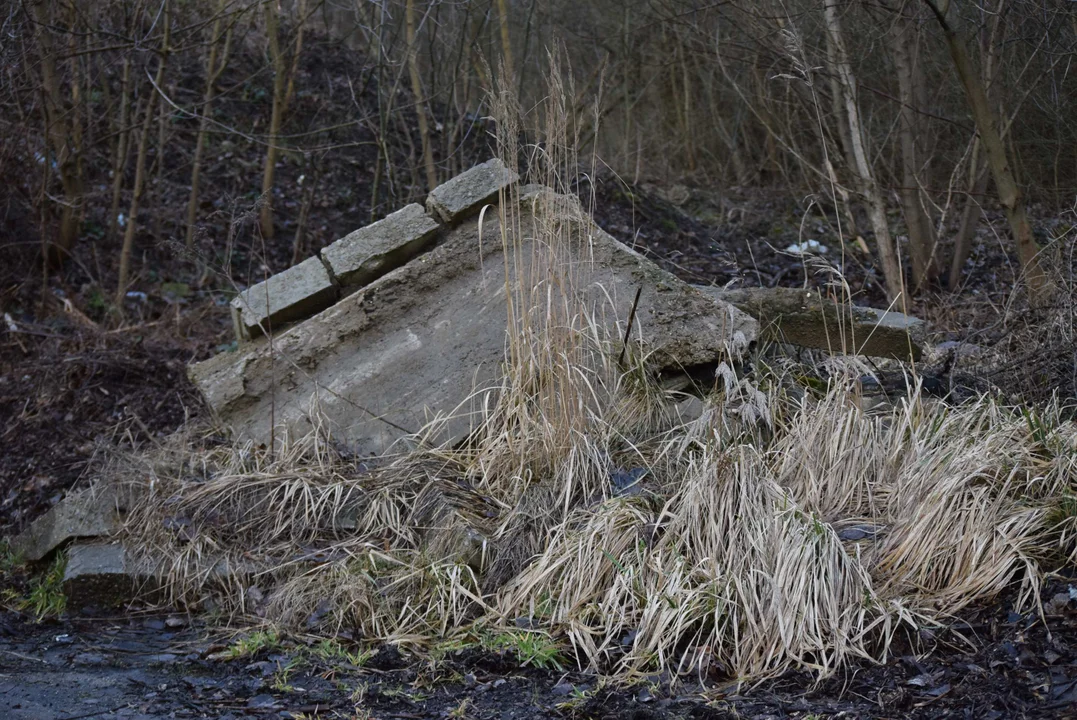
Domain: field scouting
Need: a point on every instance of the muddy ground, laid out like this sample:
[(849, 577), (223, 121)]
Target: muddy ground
[(990, 664)]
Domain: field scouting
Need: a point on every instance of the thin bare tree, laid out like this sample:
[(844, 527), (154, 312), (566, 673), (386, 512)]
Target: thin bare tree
[(869, 186), (988, 126)]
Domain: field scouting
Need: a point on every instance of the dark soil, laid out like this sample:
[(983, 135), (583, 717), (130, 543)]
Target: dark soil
[(991, 664)]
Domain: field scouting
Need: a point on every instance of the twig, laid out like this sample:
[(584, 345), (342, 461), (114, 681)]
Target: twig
[(628, 329), (24, 657)]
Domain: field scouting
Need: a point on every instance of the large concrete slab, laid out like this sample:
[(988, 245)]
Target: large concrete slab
[(296, 293), (803, 317), (466, 193), (419, 341), (361, 257)]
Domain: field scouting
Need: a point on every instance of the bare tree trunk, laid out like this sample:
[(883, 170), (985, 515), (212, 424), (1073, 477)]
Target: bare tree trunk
[(77, 143), (970, 218), (417, 91), (922, 244), (214, 68), (275, 116), (159, 180), (836, 99), (978, 173), (140, 166), (59, 134), (868, 185), (301, 13), (506, 44), (120, 161), (987, 124)]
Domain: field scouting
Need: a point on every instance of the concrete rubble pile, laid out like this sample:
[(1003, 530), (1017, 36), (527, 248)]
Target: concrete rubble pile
[(404, 321)]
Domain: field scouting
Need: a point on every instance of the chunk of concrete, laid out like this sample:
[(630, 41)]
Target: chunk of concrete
[(361, 257), (296, 293), (100, 575), (91, 513), (466, 193), (429, 338), (109, 575), (803, 317)]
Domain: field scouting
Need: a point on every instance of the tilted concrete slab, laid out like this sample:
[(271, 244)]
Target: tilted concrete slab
[(361, 257), (296, 293), (803, 317), (421, 340), (466, 193)]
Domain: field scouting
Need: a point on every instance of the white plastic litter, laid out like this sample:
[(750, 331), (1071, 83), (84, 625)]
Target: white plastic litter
[(808, 246)]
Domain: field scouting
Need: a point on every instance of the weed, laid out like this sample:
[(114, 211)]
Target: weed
[(329, 650), (9, 560), (46, 598), (398, 691), (460, 711), (576, 700), (250, 644), (532, 648), (283, 675), (11, 570)]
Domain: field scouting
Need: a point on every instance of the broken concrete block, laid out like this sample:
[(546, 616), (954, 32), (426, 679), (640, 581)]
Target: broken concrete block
[(468, 192), (803, 317), (298, 292), (99, 575), (429, 338), (363, 256), (94, 512)]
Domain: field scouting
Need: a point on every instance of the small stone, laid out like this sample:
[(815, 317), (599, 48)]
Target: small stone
[(1058, 603), (562, 688), (89, 659), (162, 659), (262, 702)]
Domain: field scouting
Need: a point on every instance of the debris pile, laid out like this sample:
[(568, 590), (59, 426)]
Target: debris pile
[(488, 409)]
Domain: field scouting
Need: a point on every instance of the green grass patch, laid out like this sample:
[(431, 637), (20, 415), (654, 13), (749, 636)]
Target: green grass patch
[(532, 648)]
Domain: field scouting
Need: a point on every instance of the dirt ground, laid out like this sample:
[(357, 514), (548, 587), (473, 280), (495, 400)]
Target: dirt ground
[(990, 664)]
